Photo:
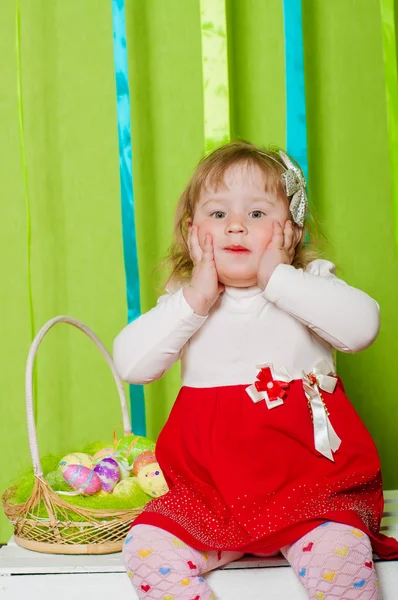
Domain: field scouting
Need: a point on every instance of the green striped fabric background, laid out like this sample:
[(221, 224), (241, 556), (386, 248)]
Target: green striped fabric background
[(72, 158)]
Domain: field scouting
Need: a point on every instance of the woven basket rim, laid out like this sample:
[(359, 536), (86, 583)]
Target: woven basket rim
[(48, 548), (10, 507)]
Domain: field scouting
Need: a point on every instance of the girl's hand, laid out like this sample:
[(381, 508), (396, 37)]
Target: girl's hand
[(279, 251), (204, 288)]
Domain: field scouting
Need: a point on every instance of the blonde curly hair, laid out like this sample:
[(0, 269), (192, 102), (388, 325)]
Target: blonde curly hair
[(210, 171)]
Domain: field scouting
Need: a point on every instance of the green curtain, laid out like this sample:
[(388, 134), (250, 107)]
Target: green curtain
[(72, 158)]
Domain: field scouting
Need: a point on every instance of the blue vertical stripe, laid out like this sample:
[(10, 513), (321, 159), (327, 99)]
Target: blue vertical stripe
[(296, 122), (127, 195)]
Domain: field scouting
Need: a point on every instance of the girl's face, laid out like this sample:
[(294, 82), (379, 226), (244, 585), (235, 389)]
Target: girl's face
[(239, 216)]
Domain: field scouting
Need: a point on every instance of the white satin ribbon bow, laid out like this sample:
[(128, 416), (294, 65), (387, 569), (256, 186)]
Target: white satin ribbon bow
[(321, 378), (269, 385)]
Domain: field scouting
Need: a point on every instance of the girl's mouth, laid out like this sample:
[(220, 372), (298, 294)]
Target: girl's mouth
[(237, 249)]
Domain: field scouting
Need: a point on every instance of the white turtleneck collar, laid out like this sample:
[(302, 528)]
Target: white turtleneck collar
[(242, 299), (241, 293)]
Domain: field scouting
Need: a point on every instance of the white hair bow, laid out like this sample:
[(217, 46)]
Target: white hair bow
[(295, 185)]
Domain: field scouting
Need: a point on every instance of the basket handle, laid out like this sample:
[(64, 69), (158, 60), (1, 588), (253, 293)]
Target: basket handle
[(34, 449)]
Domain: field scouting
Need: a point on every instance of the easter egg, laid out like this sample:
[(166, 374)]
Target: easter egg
[(131, 490), (77, 458), (152, 481), (130, 446), (109, 473), (82, 478), (103, 453), (145, 458)]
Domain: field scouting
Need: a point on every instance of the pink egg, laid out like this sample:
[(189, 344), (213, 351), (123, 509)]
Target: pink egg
[(109, 473), (82, 478)]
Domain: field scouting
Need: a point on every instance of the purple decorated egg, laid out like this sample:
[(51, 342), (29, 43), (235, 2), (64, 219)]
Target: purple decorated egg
[(82, 478), (108, 472)]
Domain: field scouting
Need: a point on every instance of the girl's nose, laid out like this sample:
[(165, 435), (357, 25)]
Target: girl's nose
[(236, 226)]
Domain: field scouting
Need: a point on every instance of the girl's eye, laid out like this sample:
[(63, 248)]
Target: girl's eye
[(257, 214), (218, 214)]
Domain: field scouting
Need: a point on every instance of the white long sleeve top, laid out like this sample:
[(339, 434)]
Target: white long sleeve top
[(294, 323)]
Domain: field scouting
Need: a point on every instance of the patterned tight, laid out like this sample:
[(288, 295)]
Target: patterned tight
[(333, 561)]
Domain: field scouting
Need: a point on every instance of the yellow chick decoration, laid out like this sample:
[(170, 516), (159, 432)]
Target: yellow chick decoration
[(150, 476)]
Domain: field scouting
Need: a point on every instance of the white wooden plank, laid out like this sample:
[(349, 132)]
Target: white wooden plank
[(253, 584), (279, 584), (15, 560), (18, 561), (66, 587)]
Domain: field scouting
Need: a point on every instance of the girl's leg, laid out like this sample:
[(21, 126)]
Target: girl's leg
[(162, 567), (335, 561)]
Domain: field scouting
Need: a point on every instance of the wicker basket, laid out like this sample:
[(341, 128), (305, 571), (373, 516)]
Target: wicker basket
[(101, 531)]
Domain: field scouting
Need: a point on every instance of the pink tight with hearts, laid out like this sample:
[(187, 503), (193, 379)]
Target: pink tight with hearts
[(333, 561), (162, 567)]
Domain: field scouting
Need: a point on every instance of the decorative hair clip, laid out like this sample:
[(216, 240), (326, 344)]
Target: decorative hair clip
[(295, 185)]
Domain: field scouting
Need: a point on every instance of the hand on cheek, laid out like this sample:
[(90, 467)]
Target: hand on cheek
[(204, 287), (280, 250)]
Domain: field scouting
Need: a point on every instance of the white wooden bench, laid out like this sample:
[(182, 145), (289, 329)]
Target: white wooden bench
[(27, 574), (36, 576)]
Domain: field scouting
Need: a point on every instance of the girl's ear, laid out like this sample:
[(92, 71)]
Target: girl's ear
[(298, 234), (188, 222)]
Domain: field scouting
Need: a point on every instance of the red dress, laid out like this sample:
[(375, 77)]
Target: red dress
[(246, 478)]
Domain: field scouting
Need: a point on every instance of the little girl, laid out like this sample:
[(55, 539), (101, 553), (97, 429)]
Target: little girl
[(262, 452)]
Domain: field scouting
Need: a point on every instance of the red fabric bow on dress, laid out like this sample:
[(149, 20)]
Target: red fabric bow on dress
[(270, 385)]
